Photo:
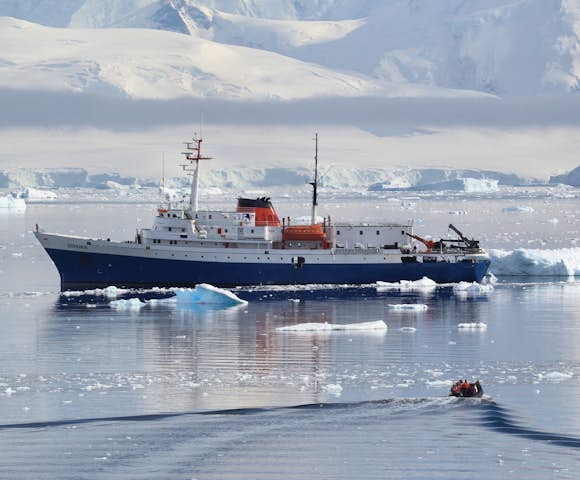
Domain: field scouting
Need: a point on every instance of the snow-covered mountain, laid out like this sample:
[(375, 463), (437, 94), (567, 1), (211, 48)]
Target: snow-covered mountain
[(153, 64), (504, 47)]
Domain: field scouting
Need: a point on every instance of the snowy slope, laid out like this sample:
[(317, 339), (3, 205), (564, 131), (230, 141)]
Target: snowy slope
[(166, 65), (504, 47)]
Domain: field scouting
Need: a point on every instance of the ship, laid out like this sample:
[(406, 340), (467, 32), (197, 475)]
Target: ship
[(252, 245)]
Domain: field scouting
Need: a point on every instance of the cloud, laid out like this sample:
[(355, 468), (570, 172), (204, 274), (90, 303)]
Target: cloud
[(379, 116)]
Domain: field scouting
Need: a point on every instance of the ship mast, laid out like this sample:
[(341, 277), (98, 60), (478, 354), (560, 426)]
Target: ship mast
[(315, 182), (193, 154)]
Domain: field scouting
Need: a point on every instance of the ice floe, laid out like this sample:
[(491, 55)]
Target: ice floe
[(473, 288), (518, 209), (108, 292), (472, 326), (407, 329), (202, 294), (327, 327), (425, 284), (408, 307), (439, 383), (563, 262), (127, 304), (555, 376)]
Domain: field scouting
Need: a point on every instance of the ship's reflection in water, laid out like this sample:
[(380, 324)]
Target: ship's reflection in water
[(169, 357)]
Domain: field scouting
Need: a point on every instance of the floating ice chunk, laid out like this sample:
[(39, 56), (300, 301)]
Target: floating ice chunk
[(411, 307), (128, 304), (439, 383), (518, 209), (474, 288), (489, 279), (333, 389), (108, 292), (408, 285), (207, 294), (563, 262), (407, 329), (326, 327), (555, 376), (472, 326)]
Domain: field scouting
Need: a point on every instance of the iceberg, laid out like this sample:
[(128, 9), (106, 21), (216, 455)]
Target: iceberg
[(34, 194), (563, 262), (328, 327), (571, 178), (205, 293), (11, 203)]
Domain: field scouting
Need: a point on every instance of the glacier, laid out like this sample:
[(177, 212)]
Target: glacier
[(37, 183)]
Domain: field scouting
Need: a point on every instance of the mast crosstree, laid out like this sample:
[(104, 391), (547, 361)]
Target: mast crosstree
[(193, 155)]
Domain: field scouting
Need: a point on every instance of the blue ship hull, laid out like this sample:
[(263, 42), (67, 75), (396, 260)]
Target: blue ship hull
[(83, 270)]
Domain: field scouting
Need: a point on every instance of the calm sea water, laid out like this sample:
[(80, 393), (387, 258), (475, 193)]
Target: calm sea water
[(90, 391)]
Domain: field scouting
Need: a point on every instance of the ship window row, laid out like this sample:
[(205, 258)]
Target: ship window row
[(361, 232)]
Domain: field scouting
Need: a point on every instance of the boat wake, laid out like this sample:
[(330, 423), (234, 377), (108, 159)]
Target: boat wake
[(488, 413)]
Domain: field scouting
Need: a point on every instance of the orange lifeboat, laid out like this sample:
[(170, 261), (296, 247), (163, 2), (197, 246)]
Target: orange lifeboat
[(304, 233)]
